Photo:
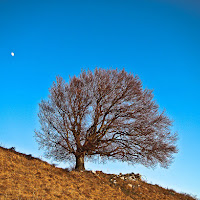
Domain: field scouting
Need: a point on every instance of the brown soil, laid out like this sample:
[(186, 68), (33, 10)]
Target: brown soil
[(23, 177)]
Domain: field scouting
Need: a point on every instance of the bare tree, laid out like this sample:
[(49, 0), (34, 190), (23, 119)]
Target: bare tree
[(106, 114)]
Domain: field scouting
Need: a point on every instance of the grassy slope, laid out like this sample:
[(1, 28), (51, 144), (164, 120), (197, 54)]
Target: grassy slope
[(25, 177)]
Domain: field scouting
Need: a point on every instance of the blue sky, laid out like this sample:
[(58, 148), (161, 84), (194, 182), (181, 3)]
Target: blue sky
[(156, 39)]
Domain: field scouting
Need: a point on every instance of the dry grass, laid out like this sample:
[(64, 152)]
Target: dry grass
[(23, 177)]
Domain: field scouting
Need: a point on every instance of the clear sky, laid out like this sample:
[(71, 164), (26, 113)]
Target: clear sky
[(158, 40)]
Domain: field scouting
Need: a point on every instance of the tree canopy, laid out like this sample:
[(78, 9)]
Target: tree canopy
[(104, 113)]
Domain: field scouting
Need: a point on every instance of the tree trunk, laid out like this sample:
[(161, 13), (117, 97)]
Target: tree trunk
[(80, 163)]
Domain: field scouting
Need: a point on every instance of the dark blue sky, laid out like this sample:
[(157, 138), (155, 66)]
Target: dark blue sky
[(158, 40)]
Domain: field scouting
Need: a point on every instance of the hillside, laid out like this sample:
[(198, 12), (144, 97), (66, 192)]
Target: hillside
[(25, 177)]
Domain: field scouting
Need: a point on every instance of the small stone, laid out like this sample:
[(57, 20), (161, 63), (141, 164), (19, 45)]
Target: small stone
[(130, 185)]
